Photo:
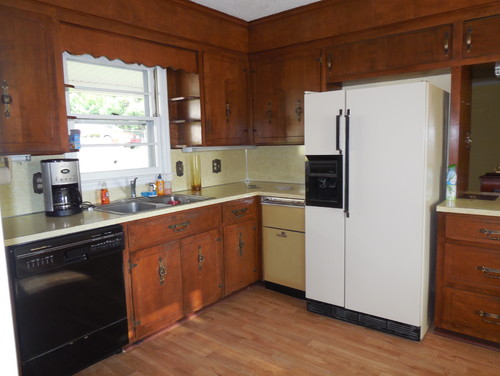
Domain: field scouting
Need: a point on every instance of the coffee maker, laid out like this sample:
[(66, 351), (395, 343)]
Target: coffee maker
[(61, 187)]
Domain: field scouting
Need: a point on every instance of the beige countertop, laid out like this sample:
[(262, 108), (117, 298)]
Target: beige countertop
[(36, 226), (472, 205)]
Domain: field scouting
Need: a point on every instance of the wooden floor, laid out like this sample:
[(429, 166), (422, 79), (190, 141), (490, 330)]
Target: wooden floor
[(261, 332)]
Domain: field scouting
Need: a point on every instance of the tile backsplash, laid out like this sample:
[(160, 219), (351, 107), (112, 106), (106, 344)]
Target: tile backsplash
[(265, 163)]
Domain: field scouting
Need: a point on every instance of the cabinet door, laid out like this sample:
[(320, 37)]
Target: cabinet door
[(278, 93), (240, 256), (156, 288), (31, 76), (225, 99), (201, 270), (481, 37)]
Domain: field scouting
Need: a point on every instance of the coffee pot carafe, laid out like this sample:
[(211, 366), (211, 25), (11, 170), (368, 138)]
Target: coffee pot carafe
[(61, 187)]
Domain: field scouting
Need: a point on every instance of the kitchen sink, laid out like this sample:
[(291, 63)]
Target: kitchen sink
[(142, 204)]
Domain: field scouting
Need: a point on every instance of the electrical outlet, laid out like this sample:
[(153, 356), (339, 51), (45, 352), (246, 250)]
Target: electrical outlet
[(216, 166), (37, 183), (179, 168)]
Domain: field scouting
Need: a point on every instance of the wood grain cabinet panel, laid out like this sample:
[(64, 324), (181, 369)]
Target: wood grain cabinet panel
[(156, 288), (239, 211), (481, 37), (240, 255), (31, 81), (225, 99), (468, 277), (279, 83), (201, 259)]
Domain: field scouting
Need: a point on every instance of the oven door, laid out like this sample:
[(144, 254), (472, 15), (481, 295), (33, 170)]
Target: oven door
[(324, 186)]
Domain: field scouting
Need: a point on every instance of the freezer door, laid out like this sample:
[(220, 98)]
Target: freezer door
[(390, 177), (323, 116), (325, 255)]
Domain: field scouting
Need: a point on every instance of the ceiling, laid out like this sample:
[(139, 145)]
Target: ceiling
[(249, 10)]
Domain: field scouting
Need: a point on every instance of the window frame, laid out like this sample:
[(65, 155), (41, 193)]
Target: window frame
[(158, 114)]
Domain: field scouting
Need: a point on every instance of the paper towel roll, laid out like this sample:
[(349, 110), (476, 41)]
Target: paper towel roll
[(5, 176)]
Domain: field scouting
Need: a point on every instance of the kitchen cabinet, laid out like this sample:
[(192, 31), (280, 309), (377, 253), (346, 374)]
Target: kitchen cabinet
[(278, 89), (32, 117), (201, 259), (392, 52), (184, 108), (155, 274), (240, 244), (468, 276), (481, 38), (225, 99), (163, 279)]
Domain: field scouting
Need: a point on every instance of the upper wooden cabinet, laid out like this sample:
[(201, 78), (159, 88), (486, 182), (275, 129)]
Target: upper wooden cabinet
[(482, 37), (32, 103), (225, 99), (393, 52), (279, 82)]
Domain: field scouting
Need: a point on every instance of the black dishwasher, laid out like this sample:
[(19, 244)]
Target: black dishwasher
[(69, 300)]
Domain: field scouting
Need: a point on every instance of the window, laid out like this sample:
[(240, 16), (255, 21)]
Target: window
[(121, 112)]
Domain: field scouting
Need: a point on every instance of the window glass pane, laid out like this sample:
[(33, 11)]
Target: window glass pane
[(102, 132), (95, 103)]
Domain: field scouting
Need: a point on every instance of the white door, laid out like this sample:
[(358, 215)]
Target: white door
[(320, 115), (325, 255), (384, 231)]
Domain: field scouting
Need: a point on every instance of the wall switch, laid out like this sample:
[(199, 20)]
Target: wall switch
[(216, 166)]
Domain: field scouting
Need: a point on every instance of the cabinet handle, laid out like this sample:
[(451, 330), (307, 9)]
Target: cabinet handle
[(269, 112), (446, 45), (282, 234), (238, 213), (6, 99), (178, 227), (485, 316), (201, 258), (299, 111), (489, 232), (162, 271), (487, 272), (228, 112), (468, 39), (329, 63), (241, 244)]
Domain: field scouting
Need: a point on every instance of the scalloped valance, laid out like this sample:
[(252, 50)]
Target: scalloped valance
[(79, 40)]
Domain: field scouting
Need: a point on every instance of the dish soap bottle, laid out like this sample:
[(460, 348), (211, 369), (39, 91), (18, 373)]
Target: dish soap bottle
[(160, 186), (104, 194), (451, 183)]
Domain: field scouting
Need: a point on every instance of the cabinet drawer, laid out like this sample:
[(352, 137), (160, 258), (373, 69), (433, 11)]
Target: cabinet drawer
[(472, 265), (473, 228), (160, 229), (472, 314), (239, 210)]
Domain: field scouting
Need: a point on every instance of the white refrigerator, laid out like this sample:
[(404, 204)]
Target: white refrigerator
[(369, 261)]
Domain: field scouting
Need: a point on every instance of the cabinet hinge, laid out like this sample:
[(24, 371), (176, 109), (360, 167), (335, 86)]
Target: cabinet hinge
[(218, 239), (220, 286), (131, 266), (137, 323)]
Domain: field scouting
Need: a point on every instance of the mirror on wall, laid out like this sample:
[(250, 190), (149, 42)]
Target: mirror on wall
[(485, 126)]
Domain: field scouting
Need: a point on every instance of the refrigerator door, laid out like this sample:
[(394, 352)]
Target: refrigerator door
[(325, 255), (323, 114), (385, 230)]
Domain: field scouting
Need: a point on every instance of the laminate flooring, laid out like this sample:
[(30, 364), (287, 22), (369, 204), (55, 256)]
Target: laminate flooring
[(261, 332)]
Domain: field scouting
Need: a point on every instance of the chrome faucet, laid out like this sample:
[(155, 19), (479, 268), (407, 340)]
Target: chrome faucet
[(133, 184)]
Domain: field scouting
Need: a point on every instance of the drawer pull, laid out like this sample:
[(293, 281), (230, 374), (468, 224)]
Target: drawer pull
[(201, 258), (282, 234), (489, 271), (238, 213), (178, 227), (162, 271), (490, 232), (485, 316)]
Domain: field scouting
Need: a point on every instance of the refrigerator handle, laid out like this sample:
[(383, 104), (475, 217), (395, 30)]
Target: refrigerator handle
[(337, 140), (346, 170)]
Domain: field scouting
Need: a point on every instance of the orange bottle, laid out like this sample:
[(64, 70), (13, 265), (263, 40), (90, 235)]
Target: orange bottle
[(104, 194)]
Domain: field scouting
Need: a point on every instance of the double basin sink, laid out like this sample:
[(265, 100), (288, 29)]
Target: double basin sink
[(142, 204)]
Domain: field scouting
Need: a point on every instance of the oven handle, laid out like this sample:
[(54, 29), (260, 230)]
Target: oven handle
[(346, 171)]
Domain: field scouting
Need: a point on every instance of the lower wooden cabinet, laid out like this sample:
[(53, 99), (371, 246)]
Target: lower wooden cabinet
[(468, 277), (240, 256), (156, 287), (201, 260)]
